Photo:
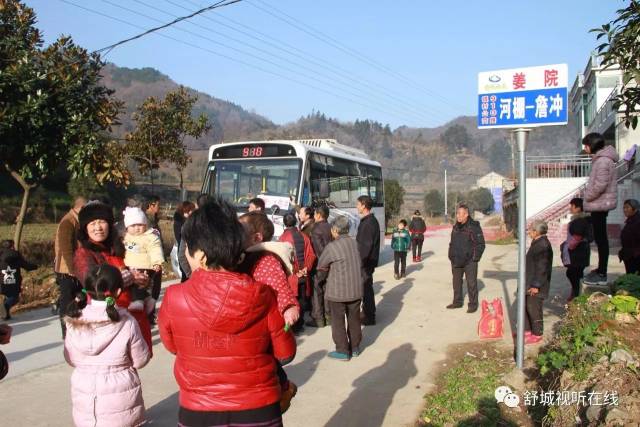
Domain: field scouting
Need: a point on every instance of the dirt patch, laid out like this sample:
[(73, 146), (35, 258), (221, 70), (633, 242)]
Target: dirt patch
[(464, 394)]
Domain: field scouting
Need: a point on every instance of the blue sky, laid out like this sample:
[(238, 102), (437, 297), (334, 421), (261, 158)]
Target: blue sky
[(402, 62)]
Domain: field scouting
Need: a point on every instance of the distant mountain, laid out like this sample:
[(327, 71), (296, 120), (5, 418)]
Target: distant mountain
[(412, 155), (229, 121)]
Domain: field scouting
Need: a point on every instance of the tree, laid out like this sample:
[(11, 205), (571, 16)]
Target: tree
[(622, 48), (393, 199), (161, 127), (434, 203), (456, 138), (480, 200), (499, 155), (53, 110)]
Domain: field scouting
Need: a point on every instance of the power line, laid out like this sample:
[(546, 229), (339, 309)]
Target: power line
[(330, 81), (245, 63), (108, 49), (326, 80), (319, 35), (221, 3), (308, 57)]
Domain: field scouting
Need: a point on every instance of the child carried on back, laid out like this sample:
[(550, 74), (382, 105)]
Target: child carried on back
[(143, 252)]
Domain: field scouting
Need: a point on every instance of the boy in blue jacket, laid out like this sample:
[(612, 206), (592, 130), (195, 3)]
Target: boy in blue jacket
[(400, 243)]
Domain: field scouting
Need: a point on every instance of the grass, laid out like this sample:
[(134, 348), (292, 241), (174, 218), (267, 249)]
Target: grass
[(465, 392), (30, 232), (509, 240)]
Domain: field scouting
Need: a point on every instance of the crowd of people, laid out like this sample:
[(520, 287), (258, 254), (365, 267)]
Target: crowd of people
[(231, 321)]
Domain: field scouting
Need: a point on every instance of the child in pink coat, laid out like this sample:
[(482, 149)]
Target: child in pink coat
[(105, 346)]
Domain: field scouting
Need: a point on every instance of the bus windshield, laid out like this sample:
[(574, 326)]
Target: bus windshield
[(275, 180)]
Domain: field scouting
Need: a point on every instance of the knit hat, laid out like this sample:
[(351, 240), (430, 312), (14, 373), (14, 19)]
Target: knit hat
[(134, 216), (92, 211)]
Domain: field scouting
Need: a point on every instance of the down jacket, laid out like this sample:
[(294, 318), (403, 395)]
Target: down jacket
[(467, 243), (539, 263), (105, 387), (417, 228), (226, 333), (601, 194)]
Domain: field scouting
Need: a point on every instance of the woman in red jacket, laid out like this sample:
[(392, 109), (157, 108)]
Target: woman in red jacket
[(99, 243), (224, 329)]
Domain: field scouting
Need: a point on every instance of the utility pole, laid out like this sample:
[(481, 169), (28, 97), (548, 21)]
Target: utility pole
[(521, 137)]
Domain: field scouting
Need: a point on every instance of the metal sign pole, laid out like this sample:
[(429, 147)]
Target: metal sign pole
[(521, 138)]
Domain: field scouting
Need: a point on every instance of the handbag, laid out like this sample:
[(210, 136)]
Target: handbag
[(491, 321)]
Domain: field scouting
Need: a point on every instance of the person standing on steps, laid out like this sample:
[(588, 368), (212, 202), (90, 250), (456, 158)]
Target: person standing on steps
[(465, 251), (576, 249), (368, 239), (600, 197), (66, 243), (630, 237), (320, 238), (417, 228)]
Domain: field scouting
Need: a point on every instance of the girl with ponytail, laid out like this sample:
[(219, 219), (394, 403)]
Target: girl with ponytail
[(105, 346)]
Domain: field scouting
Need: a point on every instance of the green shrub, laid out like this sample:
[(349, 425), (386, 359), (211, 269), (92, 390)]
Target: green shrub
[(628, 284)]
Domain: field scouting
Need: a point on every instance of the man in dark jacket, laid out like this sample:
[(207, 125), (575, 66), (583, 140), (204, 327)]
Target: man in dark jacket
[(320, 238), (538, 280), (368, 239), (630, 237), (465, 250), (305, 215), (417, 228)]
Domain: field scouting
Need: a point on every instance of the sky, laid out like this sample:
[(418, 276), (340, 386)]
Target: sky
[(402, 62)]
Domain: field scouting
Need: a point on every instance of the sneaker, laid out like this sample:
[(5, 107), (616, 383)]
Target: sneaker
[(343, 357), (526, 334), (356, 352), (420, 259), (454, 305), (287, 395), (396, 276), (403, 275), (595, 278), (415, 259), (532, 339), (472, 309)]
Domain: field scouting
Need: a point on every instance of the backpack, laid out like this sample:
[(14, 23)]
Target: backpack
[(491, 319)]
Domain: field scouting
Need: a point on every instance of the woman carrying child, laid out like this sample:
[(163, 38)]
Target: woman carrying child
[(98, 244)]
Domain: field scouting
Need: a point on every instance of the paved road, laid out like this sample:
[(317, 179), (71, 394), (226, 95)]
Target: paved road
[(384, 386)]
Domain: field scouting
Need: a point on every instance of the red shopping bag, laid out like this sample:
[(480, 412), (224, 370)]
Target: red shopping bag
[(491, 319)]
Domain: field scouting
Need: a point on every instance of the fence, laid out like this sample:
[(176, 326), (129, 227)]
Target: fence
[(564, 166)]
